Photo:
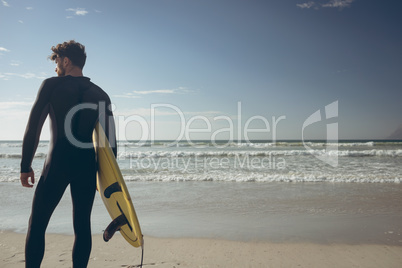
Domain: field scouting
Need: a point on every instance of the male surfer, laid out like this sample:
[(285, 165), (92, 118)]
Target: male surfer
[(74, 106)]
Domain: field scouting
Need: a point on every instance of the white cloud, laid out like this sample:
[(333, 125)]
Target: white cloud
[(211, 113), (331, 4), (162, 110), (160, 91), (20, 21), (5, 3), (77, 11), (14, 110), (29, 8), (179, 90), (139, 93), (3, 49), (6, 76), (306, 5), (338, 3), (127, 96), (144, 112), (11, 105)]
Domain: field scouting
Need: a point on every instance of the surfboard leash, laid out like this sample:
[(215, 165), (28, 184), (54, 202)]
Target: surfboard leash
[(142, 253)]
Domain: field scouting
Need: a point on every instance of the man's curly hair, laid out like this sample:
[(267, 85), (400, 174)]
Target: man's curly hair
[(72, 50)]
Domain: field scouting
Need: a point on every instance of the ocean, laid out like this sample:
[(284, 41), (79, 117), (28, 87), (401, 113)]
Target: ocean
[(315, 191)]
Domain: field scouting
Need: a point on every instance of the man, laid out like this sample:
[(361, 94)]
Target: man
[(67, 162)]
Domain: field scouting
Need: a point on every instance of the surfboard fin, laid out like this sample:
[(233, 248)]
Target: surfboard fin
[(113, 188), (114, 226)]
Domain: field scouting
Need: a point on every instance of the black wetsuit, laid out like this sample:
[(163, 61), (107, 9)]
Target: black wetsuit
[(66, 164)]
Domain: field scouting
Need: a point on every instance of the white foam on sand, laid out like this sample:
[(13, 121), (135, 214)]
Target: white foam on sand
[(313, 212)]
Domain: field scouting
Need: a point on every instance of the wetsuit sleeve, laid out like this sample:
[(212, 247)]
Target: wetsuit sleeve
[(36, 119)]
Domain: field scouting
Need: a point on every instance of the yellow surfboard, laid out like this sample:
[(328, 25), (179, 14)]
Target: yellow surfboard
[(113, 190)]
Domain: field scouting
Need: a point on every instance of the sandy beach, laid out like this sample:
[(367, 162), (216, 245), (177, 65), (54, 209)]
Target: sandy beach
[(193, 215), (189, 252)]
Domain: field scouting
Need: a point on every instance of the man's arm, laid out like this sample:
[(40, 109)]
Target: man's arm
[(36, 119), (24, 177)]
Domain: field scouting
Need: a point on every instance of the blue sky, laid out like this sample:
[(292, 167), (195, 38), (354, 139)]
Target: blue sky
[(200, 64)]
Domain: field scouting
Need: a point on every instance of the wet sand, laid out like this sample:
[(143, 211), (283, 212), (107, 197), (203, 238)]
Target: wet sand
[(197, 252)]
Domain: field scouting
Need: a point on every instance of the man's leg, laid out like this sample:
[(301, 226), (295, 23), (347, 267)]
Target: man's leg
[(82, 193), (46, 198)]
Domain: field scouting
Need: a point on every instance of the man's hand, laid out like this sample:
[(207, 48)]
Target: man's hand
[(24, 179)]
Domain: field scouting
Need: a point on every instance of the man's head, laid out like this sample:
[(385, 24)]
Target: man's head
[(69, 55)]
